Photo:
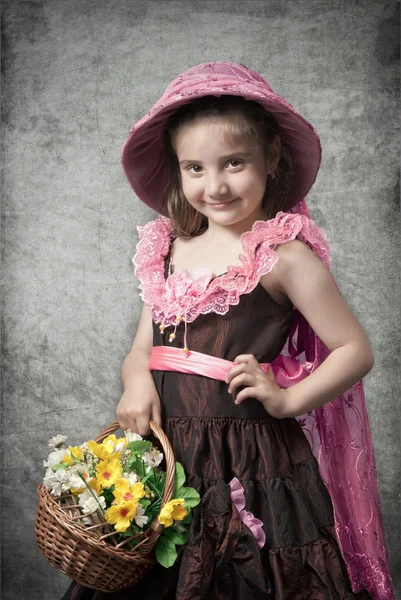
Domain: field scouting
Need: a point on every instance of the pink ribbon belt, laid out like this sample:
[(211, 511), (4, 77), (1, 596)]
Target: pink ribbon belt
[(286, 369)]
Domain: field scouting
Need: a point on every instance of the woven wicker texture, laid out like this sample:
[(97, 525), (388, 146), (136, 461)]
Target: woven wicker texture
[(86, 553)]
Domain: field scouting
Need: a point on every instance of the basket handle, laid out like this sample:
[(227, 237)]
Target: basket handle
[(167, 449)]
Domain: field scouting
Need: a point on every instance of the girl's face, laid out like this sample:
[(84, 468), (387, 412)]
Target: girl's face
[(225, 183)]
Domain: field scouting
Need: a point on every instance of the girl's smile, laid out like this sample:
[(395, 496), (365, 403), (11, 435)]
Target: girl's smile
[(223, 204)]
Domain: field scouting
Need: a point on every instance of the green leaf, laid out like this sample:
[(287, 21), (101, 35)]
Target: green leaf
[(187, 520), (108, 496), (144, 502), (137, 465), (166, 552), (139, 446), (162, 480), (175, 536), (59, 466), (179, 478), (190, 496), (151, 476)]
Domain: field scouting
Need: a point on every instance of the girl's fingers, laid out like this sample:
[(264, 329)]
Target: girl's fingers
[(142, 423), (241, 379), (245, 358), (234, 371), (249, 392), (243, 362), (131, 425), (156, 414)]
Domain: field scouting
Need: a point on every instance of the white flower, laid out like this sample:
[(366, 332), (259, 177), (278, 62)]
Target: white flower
[(89, 504), (57, 440), (57, 481), (55, 457), (152, 458), (75, 480), (132, 437), (132, 477), (140, 518), (121, 447), (49, 479)]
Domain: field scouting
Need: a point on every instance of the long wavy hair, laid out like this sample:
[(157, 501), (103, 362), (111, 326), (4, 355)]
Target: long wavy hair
[(244, 120)]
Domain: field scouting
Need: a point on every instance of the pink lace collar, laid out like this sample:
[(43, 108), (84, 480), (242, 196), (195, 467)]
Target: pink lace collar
[(183, 297)]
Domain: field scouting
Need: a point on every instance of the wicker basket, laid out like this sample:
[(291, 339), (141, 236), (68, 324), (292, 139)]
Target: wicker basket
[(85, 553)]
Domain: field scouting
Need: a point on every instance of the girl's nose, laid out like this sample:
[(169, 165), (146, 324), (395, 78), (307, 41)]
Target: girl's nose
[(216, 186)]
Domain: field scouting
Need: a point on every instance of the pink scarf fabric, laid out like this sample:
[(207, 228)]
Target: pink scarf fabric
[(340, 438)]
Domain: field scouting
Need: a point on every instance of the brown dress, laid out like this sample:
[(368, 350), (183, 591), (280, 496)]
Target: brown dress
[(216, 440)]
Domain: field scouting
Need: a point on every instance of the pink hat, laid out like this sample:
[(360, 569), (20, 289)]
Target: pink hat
[(142, 156)]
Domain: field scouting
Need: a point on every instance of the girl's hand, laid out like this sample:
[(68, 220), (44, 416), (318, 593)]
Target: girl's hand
[(259, 385), (139, 403)]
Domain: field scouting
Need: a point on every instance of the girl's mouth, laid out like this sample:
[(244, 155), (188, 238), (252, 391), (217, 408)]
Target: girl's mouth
[(223, 204)]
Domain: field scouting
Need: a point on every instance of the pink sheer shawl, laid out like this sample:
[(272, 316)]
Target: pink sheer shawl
[(340, 437)]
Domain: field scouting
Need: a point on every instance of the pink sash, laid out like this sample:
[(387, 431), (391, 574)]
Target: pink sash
[(286, 369)]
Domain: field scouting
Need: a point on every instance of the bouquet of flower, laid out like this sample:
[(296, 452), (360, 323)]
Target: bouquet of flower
[(118, 488)]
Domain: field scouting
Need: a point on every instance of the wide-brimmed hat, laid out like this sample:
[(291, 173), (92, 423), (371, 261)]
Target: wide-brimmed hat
[(143, 157)]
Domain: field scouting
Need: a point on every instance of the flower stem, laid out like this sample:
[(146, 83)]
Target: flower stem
[(90, 489)]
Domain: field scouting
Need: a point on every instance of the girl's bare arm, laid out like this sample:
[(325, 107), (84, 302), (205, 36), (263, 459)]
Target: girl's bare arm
[(138, 356), (306, 281), (140, 401)]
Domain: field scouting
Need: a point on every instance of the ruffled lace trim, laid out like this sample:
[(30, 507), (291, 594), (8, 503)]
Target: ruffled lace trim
[(186, 296)]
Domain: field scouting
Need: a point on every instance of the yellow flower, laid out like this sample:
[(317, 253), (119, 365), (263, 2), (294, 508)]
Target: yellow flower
[(120, 516), (103, 452), (124, 492), (108, 471), (112, 441), (95, 485), (172, 511), (68, 458), (78, 491), (110, 438), (92, 483)]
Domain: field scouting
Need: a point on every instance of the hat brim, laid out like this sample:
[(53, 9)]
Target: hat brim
[(143, 157)]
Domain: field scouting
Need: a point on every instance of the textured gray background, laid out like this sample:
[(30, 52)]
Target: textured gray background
[(76, 75)]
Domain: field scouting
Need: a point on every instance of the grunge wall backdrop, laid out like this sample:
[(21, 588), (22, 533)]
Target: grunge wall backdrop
[(76, 74)]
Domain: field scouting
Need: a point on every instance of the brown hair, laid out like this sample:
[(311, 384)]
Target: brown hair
[(246, 119)]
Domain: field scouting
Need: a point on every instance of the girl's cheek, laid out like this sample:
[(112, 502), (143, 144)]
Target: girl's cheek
[(190, 188)]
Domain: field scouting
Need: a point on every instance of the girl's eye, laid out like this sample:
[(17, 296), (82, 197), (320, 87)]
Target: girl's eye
[(236, 164), (194, 167)]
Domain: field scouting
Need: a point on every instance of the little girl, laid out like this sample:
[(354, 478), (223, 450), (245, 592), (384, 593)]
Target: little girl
[(253, 369)]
